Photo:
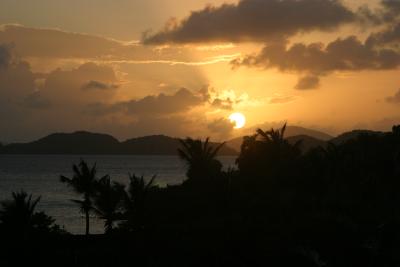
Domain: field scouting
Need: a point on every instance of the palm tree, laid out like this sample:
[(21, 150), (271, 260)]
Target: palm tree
[(200, 158), (267, 151), (135, 198), (83, 182), (108, 202), (275, 136), (18, 215)]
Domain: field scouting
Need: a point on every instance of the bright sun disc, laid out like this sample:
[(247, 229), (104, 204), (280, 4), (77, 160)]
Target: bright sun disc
[(238, 119)]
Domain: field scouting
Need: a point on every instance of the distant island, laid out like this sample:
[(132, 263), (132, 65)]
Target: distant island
[(87, 143)]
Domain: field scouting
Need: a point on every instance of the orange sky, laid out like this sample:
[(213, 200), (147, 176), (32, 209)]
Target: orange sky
[(87, 65)]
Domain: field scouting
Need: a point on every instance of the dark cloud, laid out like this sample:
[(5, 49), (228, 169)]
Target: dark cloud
[(65, 86), (30, 108), (348, 54), (97, 85), (221, 127), (220, 103), (254, 20), (389, 36), (387, 12), (395, 99), (317, 59), (33, 105), (161, 104), (307, 82), (35, 100), (182, 100), (16, 78), (5, 56), (391, 10)]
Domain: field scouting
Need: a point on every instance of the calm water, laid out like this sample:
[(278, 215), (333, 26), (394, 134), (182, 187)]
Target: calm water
[(39, 175)]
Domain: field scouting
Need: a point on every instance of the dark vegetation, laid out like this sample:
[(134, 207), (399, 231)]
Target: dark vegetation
[(337, 205)]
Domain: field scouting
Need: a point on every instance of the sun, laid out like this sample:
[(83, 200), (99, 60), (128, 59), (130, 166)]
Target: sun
[(238, 119)]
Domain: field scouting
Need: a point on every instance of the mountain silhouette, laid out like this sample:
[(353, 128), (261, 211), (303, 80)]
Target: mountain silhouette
[(344, 137), (84, 143), (65, 143)]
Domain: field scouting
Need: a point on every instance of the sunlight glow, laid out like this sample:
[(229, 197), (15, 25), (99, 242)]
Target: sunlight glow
[(238, 119)]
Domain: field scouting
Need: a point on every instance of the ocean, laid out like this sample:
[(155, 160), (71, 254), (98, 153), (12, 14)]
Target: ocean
[(39, 175)]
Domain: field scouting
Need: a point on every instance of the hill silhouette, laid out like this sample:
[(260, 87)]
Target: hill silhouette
[(344, 137), (311, 138), (84, 143), (307, 142), (292, 130), (64, 143)]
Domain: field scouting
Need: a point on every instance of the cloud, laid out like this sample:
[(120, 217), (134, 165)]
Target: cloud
[(282, 99), (97, 85), (86, 98), (47, 45), (16, 78), (221, 127), (390, 10), (386, 12), (31, 108), (182, 100), (348, 54), (395, 99), (227, 99), (253, 20), (38, 42), (5, 56), (226, 104), (308, 82), (161, 104), (317, 59), (389, 36), (65, 86), (35, 100)]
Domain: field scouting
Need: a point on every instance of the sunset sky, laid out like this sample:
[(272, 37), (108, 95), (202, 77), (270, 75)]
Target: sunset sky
[(181, 67)]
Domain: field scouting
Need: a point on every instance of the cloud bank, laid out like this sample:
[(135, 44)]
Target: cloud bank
[(253, 20)]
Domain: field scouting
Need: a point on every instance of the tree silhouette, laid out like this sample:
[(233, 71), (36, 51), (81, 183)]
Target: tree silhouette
[(108, 202), (200, 158), (18, 216), (135, 199), (267, 152), (84, 182)]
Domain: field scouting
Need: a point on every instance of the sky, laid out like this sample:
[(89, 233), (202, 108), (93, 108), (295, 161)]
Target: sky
[(180, 67)]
